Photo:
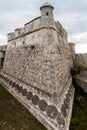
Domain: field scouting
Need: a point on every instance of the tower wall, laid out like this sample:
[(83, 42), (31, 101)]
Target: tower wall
[(72, 49), (47, 19)]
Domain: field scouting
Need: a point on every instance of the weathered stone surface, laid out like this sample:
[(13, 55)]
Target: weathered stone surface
[(63, 110), (10, 83), (24, 92), (60, 119), (42, 105), (20, 89), (52, 111), (37, 69), (35, 99), (17, 86), (29, 95), (13, 84)]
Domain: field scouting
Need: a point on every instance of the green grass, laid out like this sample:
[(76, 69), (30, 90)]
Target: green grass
[(14, 116), (79, 114), (84, 68)]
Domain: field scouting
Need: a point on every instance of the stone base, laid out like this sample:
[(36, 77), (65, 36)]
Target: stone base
[(52, 116)]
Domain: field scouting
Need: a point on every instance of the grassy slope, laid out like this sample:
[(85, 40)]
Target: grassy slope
[(79, 115), (13, 116)]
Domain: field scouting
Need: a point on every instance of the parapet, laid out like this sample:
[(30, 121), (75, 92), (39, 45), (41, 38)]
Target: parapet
[(46, 20), (11, 36), (33, 25), (19, 32), (29, 27), (61, 30)]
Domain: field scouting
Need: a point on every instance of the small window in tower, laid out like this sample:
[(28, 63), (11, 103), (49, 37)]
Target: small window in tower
[(47, 13)]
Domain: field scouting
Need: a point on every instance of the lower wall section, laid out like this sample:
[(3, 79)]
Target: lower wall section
[(53, 116)]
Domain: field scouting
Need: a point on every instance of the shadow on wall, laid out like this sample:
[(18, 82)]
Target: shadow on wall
[(2, 55)]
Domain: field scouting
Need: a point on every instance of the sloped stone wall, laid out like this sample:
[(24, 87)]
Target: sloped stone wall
[(39, 75), (37, 71), (53, 116)]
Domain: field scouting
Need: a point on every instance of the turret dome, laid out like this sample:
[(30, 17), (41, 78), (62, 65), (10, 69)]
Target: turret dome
[(46, 5)]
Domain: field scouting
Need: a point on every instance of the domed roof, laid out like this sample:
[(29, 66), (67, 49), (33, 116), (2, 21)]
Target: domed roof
[(46, 5)]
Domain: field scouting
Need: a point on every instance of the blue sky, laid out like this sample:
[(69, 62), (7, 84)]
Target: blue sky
[(72, 14)]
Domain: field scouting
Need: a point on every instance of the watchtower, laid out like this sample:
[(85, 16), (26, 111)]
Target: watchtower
[(47, 18)]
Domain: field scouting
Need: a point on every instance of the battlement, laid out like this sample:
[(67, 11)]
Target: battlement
[(33, 25), (61, 30), (46, 20), (29, 27), (19, 32), (11, 36)]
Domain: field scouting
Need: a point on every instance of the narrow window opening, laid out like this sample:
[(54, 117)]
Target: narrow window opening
[(47, 13), (32, 47)]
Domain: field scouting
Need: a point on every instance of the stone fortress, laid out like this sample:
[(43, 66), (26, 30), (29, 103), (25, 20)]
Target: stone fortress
[(36, 70)]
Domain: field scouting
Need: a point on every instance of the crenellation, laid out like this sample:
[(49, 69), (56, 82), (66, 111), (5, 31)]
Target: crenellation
[(33, 25), (61, 30), (19, 32), (11, 36), (64, 33)]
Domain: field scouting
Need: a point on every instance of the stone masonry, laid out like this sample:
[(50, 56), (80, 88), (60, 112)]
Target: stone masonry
[(37, 70)]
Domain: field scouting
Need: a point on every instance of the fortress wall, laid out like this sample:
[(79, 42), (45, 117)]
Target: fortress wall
[(37, 70), (29, 27), (19, 32), (33, 25), (53, 116), (61, 30), (40, 63), (41, 59), (11, 36)]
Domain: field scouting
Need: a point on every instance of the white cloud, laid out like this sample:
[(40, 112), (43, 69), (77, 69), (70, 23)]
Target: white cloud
[(3, 40), (68, 19), (81, 48), (80, 40)]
